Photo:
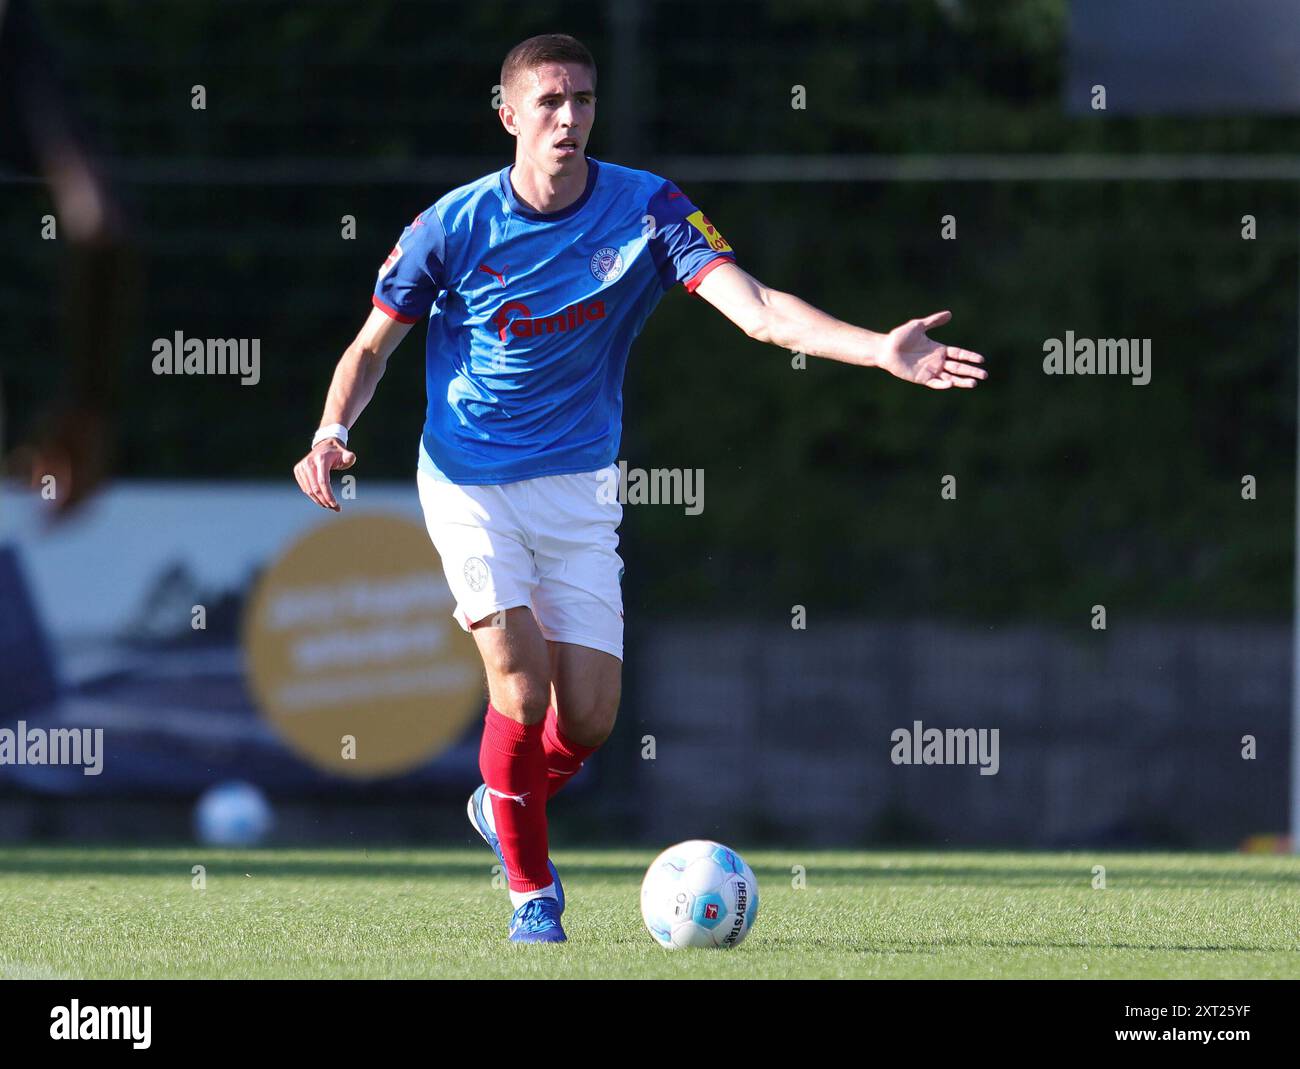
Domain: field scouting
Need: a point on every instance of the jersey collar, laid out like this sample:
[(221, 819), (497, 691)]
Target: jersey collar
[(519, 208)]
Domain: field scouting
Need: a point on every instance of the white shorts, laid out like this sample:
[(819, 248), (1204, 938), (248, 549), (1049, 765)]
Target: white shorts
[(549, 543)]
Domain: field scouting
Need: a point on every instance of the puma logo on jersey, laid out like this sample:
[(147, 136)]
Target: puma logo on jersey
[(499, 276)]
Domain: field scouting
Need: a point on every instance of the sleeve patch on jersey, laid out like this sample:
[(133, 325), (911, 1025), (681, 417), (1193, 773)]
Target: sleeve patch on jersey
[(393, 257), (716, 241)]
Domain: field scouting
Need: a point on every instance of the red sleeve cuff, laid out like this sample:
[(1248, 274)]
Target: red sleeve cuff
[(699, 275), (392, 313)]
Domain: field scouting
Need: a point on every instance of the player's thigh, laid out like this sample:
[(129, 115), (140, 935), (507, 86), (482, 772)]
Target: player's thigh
[(578, 598), (476, 532), (516, 661), (586, 685)]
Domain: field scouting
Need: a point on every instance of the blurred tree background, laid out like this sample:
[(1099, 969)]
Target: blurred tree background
[(822, 486)]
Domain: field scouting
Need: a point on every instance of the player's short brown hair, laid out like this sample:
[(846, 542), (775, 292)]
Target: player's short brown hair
[(545, 48)]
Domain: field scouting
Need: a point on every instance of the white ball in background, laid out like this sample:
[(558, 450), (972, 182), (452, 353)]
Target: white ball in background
[(232, 814)]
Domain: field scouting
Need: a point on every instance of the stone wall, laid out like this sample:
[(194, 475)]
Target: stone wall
[(1126, 737)]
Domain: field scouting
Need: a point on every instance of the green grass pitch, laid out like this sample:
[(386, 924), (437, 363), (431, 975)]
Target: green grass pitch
[(129, 912)]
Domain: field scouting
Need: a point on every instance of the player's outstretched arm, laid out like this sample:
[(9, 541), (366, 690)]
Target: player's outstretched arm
[(782, 319), (355, 378)]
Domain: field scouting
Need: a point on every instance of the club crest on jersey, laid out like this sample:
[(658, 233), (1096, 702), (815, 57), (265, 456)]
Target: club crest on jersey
[(393, 257), (607, 264), (716, 241), (571, 318)]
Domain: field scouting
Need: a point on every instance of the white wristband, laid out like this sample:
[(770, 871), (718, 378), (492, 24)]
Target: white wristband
[(330, 430)]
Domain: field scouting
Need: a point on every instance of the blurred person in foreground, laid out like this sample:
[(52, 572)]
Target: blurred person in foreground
[(71, 439)]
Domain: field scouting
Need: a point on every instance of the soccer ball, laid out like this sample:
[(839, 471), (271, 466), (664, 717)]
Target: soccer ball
[(699, 894), (232, 814)]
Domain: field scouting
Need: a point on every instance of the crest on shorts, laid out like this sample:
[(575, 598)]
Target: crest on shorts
[(607, 264), (476, 574)]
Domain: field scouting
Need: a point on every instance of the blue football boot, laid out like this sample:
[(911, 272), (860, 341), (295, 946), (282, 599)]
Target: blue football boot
[(478, 819), (537, 921)]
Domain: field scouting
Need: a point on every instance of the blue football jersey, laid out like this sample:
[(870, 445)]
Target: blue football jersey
[(531, 315)]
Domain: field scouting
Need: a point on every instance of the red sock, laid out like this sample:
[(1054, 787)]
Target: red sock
[(514, 769), (563, 756)]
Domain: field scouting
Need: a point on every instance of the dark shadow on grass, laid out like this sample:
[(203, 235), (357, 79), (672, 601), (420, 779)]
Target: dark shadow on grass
[(256, 865), (1129, 871)]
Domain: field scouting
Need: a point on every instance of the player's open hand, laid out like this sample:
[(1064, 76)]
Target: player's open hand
[(910, 355), (313, 471)]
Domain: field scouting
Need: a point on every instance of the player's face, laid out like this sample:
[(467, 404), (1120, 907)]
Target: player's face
[(553, 115)]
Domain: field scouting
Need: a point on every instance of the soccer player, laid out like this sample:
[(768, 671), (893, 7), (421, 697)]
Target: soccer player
[(535, 280)]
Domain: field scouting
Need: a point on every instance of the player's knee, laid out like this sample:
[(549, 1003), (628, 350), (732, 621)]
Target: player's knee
[(521, 695), (598, 732), (589, 721)]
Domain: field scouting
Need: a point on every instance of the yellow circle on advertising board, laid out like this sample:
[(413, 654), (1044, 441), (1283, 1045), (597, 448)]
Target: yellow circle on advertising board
[(353, 655)]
